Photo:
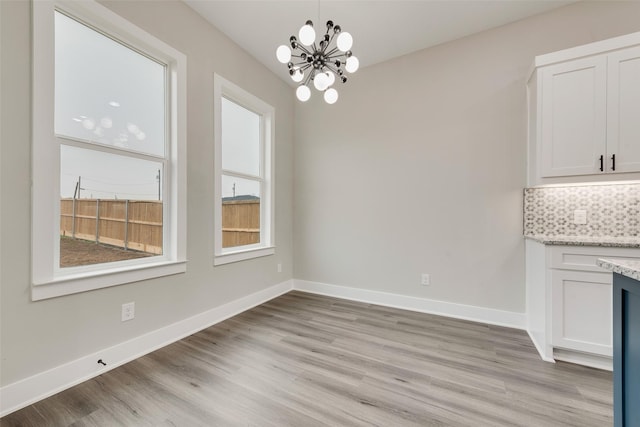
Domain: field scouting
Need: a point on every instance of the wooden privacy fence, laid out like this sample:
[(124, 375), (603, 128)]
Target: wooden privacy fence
[(137, 224), (240, 221), (129, 224)]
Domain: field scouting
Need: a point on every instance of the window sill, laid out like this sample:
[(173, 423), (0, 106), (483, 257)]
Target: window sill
[(83, 282), (242, 255)]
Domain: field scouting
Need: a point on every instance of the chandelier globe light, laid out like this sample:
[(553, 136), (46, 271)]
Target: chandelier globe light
[(320, 62), (303, 93)]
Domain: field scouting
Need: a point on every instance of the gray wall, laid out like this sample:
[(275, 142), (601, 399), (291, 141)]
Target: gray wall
[(420, 165), (36, 336)]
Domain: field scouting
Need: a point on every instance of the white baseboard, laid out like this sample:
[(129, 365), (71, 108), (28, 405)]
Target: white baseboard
[(37, 387), (592, 360), (540, 349), (460, 311)]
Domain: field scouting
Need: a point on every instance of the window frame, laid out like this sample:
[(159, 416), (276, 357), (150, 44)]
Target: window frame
[(48, 279), (223, 88)]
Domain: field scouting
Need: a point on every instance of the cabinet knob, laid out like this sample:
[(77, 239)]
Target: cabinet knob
[(613, 162), (601, 163)]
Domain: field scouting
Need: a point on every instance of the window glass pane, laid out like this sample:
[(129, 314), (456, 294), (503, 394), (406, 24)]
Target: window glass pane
[(106, 92), (110, 207), (240, 211), (240, 139)]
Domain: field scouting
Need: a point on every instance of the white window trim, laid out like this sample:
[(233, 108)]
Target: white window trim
[(48, 280), (224, 88)]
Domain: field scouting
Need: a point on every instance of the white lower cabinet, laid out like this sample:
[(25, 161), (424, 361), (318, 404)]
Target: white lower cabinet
[(569, 302), (581, 311)]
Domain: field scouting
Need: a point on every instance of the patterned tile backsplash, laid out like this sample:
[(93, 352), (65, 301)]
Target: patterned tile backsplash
[(612, 210)]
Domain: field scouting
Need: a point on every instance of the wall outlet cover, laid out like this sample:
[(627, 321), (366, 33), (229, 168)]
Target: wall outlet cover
[(580, 216), (128, 311)]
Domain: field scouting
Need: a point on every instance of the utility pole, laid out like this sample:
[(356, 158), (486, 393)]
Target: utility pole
[(234, 190), (78, 188), (158, 178)]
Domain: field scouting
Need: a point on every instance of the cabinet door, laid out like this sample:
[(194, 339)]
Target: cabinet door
[(581, 307), (623, 110), (573, 132)]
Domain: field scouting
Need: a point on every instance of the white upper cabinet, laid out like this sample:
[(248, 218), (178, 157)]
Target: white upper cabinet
[(623, 110), (584, 113), (574, 117)]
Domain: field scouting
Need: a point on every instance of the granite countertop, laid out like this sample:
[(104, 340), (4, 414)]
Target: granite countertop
[(618, 242), (626, 267)]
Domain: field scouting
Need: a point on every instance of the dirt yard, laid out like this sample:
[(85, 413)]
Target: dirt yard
[(74, 252)]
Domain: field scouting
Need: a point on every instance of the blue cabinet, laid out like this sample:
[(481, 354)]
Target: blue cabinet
[(626, 351)]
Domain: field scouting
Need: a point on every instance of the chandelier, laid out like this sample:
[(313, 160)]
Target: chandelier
[(323, 63)]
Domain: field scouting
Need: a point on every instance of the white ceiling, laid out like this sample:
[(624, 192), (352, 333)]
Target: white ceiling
[(382, 29)]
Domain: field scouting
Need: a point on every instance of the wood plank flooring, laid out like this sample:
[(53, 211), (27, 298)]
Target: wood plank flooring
[(310, 360)]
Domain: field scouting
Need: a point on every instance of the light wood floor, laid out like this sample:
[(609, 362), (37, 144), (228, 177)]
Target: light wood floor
[(308, 360)]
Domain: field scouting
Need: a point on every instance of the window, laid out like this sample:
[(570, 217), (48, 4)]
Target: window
[(108, 151), (243, 214)]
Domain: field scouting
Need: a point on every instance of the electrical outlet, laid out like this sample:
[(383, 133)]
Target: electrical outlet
[(279, 268), (426, 279), (128, 311), (580, 216)]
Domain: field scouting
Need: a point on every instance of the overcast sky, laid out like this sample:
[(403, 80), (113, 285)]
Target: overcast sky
[(109, 94)]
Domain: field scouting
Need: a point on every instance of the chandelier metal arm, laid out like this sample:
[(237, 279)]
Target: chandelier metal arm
[(331, 39), (332, 69), (332, 51), (305, 67), (308, 78), (337, 57), (304, 49)]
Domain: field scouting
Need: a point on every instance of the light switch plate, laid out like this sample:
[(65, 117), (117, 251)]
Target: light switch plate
[(580, 216)]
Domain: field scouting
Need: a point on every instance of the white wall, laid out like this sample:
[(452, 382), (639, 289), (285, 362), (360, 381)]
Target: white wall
[(36, 336), (420, 165)]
